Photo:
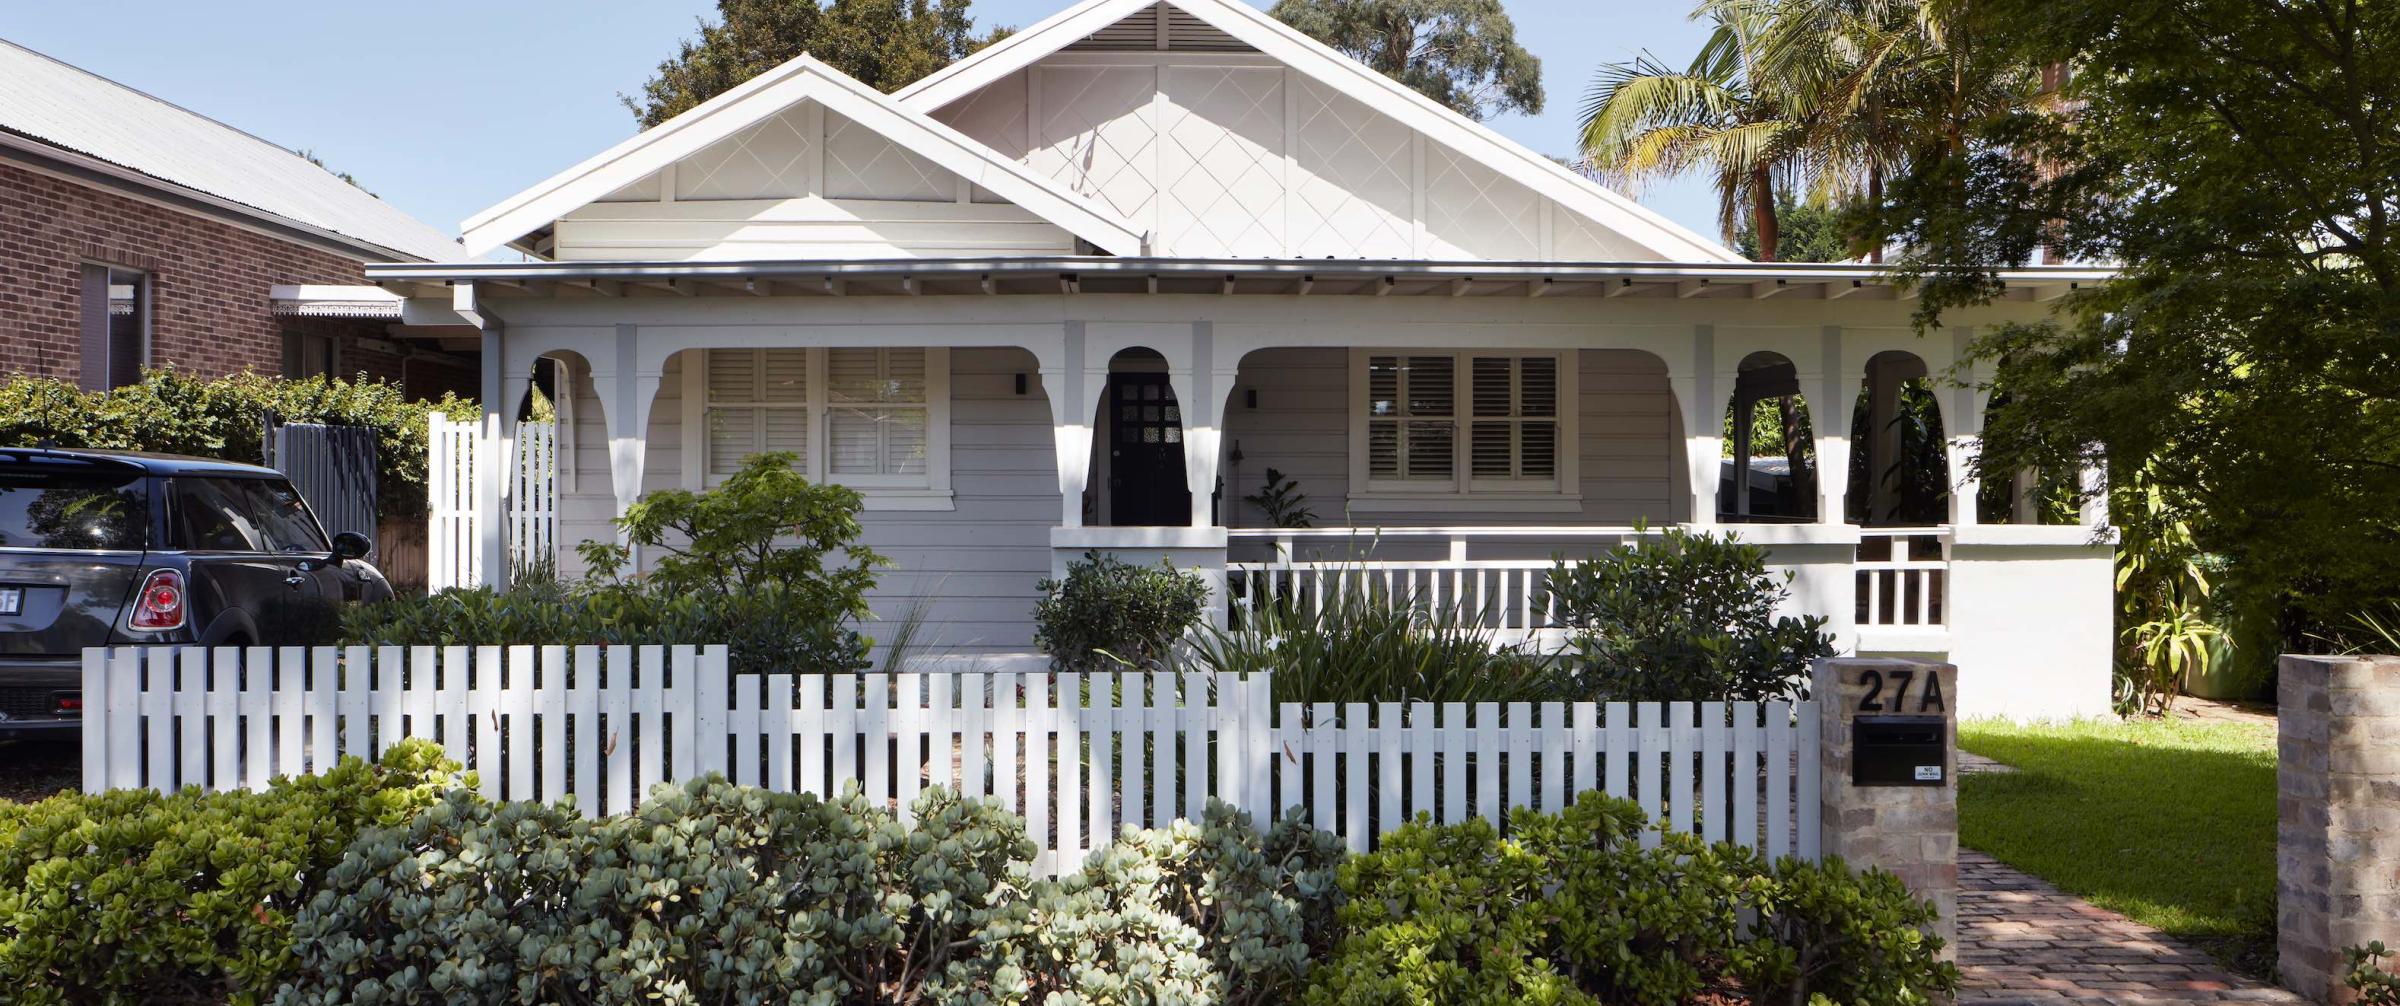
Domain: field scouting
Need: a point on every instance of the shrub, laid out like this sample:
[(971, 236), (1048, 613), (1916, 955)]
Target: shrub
[(174, 413), (1573, 908), (1109, 613), (1685, 617), (711, 892), (134, 896), (1364, 646), (1207, 913), (1570, 909), (1854, 938), (2374, 985), (750, 564)]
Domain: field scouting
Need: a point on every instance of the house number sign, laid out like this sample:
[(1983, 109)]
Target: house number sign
[(1890, 692)]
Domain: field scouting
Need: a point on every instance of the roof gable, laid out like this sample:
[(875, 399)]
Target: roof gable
[(748, 143), (167, 147), (1469, 171)]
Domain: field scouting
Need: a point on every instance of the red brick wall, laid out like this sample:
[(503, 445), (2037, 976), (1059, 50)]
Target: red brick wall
[(209, 286)]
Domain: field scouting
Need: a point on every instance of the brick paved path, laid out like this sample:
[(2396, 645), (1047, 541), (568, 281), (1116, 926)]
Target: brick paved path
[(2021, 941)]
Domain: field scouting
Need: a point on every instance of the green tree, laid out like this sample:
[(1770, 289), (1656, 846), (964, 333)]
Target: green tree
[(1809, 232), (2242, 162), (886, 43), (1717, 116), (1462, 53)]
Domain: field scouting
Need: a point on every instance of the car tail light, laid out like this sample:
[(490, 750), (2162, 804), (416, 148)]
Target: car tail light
[(160, 604), (71, 703)]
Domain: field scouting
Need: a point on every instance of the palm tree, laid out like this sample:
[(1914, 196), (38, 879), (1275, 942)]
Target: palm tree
[(1719, 115)]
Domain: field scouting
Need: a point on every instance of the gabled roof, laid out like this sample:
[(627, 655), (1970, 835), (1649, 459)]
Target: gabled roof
[(1294, 49), (159, 145), (802, 79)]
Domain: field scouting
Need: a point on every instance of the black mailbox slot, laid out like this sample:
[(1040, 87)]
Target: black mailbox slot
[(1899, 751)]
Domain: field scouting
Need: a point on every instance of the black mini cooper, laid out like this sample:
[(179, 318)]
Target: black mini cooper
[(100, 548)]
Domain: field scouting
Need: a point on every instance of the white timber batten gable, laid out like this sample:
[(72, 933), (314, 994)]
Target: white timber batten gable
[(801, 162), (1223, 132)]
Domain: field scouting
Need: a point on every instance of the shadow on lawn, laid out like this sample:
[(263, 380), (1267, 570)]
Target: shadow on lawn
[(2171, 827)]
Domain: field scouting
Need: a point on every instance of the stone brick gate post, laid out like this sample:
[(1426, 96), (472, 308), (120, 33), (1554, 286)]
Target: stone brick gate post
[(1888, 783), (2337, 808)]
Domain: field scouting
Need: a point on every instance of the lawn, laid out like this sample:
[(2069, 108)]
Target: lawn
[(2170, 822)]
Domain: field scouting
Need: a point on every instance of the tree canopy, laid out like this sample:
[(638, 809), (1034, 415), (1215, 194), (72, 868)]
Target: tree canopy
[(2241, 160), (888, 44), (1462, 53)]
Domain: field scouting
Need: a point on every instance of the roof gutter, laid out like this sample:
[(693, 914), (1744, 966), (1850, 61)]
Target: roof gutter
[(52, 159), (1738, 272)]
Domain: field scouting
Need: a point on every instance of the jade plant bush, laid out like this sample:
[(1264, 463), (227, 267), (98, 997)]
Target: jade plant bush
[(1193, 913), (767, 563), (1108, 614), (1683, 617), (176, 413), (710, 893), (1575, 908), (136, 897)]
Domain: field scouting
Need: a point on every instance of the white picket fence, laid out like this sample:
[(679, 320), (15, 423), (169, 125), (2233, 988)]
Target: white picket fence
[(453, 558), (1078, 755)]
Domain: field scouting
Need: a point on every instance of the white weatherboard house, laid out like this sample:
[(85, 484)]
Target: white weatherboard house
[(1081, 290)]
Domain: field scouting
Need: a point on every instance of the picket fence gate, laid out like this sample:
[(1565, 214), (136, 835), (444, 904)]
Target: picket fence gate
[(454, 558), (1078, 755)]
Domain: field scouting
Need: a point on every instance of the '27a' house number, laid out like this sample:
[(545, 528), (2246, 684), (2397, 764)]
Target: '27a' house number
[(1898, 682)]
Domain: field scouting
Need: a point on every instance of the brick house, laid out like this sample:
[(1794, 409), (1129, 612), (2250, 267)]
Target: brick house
[(135, 233)]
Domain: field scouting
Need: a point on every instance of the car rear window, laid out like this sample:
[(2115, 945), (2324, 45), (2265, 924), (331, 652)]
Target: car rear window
[(80, 510), (243, 515)]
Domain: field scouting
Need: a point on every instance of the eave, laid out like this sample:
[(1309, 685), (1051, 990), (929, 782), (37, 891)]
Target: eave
[(1134, 275)]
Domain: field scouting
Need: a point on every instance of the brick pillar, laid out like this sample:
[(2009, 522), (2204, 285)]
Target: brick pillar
[(1905, 822), (2337, 808)]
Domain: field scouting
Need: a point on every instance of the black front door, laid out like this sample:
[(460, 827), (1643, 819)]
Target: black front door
[(1145, 453)]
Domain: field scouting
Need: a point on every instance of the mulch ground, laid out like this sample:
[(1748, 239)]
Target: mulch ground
[(31, 770)]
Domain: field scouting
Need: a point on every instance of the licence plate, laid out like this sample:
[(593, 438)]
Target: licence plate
[(12, 600)]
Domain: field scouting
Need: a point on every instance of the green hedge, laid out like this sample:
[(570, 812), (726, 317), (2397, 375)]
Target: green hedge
[(135, 897), (173, 413), (372, 885)]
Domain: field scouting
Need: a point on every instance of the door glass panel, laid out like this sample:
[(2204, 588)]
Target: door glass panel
[(212, 515)]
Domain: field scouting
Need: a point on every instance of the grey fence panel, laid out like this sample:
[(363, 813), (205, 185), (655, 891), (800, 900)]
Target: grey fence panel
[(334, 469)]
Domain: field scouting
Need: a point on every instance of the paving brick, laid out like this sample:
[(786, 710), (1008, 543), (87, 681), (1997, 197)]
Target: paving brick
[(2021, 941)]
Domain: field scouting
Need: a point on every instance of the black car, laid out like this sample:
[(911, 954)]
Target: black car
[(101, 548)]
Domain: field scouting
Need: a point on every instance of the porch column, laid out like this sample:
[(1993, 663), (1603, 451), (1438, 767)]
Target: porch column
[(2094, 483), (1964, 431), (491, 445), (1831, 419), (1071, 408), (1200, 393), (1703, 425), (626, 395)]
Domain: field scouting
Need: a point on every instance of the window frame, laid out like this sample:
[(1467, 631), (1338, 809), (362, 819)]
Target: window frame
[(1564, 492), (144, 310), (930, 491)]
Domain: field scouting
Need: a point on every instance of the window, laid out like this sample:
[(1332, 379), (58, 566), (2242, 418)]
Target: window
[(73, 511), (1506, 432), (872, 418), (116, 326), (306, 355)]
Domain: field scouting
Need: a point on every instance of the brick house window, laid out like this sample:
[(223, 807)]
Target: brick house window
[(306, 355), (116, 326)]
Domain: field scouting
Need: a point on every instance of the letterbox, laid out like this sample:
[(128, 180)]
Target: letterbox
[(1899, 751)]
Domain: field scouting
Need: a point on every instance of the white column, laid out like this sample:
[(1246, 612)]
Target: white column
[(491, 447), (1829, 415), (1703, 426), (1071, 410), (626, 396), (1964, 428), (1200, 398), (2094, 483)]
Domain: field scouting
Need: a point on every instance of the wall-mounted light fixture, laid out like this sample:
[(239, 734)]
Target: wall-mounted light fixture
[(1020, 382), (1250, 398)]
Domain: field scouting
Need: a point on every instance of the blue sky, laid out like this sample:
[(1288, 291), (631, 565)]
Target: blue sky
[(445, 107)]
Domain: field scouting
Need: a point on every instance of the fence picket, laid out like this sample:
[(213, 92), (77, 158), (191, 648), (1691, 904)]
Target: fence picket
[(1076, 757)]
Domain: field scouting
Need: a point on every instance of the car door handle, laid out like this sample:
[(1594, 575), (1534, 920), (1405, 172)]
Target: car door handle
[(295, 581)]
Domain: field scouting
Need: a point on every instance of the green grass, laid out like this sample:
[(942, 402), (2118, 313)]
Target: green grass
[(2170, 822)]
